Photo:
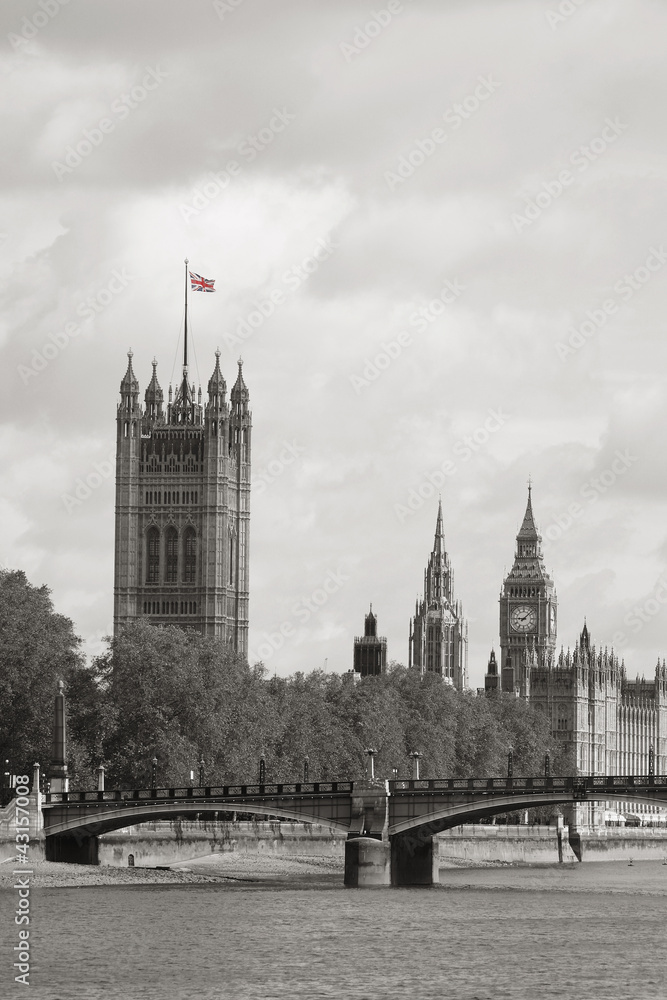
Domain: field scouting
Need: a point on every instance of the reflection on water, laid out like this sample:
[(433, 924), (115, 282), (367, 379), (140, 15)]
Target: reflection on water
[(590, 932)]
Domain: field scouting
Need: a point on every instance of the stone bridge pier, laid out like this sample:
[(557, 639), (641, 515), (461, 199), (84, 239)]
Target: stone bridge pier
[(372, 857)]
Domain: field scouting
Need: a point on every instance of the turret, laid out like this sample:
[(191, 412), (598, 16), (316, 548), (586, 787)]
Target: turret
[(154, 398), (129, 388), (240, 419), (217, 387)]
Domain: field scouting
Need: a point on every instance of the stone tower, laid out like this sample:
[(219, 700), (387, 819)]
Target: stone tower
[(438, 632), (183, 506), (528, 607), (370, 650)]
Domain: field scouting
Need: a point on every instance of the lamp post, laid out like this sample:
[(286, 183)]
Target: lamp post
[(370, 766), (201, 773), (154, 773), (416, 757), (651, 761), (547, 765), (262, 770), (510, 762), (305, 770)]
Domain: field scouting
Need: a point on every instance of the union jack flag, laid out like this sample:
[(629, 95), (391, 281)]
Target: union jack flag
[(199, 284)]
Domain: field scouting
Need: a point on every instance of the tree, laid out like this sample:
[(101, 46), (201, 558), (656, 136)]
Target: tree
[(38, 648), (178, 696)]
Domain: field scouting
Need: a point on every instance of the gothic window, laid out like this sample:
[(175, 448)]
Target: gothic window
[(153, 547), (172, 556), (232, 553), (190, 554)]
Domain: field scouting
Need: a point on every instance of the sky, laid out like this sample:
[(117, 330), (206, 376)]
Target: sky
[(435, 228)]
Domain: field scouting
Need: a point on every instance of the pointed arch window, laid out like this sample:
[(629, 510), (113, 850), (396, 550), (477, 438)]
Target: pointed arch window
[(190, 555), (153, 549), (171, 575)]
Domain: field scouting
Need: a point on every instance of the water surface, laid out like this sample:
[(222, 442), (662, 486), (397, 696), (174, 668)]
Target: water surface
[(573, 932)]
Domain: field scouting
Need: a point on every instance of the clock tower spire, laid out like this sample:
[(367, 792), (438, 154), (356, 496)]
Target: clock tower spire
[(528, 606)]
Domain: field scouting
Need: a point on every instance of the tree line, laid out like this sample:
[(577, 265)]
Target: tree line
[(181, 698)]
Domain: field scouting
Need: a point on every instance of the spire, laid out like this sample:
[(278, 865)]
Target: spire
[(217, 386), (370, 623), (240, 391), (585, 639), (129, 383), (154, 396), (528, 529), (439, 545)]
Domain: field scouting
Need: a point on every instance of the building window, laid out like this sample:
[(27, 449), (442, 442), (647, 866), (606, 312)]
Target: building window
[(190, 554), (172, 556), (153, 546)]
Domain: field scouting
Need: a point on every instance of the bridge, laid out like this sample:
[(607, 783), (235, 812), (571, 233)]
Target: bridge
[(390, 825)]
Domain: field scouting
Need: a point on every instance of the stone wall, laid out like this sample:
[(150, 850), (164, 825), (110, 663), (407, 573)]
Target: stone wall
[(539, 844), (167, 841)]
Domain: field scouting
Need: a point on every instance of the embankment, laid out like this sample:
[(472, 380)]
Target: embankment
[(168, 841)]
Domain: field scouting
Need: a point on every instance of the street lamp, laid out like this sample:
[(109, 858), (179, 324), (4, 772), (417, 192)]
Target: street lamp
[(370, 768), (305, 770), (416, 757), (651, 761), (201, 773), (154, 774), (547, 764), (262, 770), (510, 762)]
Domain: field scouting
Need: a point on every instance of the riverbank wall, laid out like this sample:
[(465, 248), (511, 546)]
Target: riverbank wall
[(166, 842)]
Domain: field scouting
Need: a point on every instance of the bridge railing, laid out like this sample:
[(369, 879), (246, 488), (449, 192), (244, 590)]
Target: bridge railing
[(539, 784), (216, 792)]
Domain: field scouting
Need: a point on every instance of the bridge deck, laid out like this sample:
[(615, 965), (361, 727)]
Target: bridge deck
[(217, 792)]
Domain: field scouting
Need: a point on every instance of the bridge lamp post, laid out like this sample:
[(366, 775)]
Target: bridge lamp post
[(154, 773), (416, 758), (547, 765), (370, 768), (651, 761), (510, 762), (201, 773), (305, 770), (262, 770)]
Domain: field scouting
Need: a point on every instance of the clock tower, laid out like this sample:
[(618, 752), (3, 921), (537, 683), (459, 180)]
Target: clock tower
[(528, 608)]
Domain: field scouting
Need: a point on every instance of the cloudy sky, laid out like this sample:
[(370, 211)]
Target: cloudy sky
[(436, 229)]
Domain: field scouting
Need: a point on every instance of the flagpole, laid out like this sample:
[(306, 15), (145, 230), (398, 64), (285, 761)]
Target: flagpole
[(185, 338)]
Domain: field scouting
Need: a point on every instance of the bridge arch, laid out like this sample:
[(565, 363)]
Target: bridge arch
[(94, 821), (463, 809)]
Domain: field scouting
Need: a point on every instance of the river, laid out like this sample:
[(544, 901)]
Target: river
[(575, 932)]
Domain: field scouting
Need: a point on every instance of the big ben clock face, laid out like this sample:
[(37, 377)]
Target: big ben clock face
[(523, 618)]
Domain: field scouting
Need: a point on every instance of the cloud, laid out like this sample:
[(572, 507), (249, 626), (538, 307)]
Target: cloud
[(100, 246)]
